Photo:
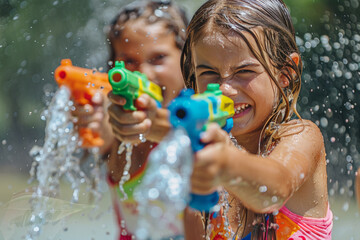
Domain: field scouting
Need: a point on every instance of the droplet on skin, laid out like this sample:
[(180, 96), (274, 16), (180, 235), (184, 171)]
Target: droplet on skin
[(262, 189)]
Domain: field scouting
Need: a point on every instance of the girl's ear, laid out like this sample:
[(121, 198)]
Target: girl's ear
[(284, 81)]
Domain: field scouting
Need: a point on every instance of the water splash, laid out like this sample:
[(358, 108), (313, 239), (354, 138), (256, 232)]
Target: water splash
[(329, 93), (164, 191), (57, 159), (53, 160), (126, 174)]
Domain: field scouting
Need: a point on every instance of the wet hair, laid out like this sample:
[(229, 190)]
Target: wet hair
[(152, 11), (276, 42)]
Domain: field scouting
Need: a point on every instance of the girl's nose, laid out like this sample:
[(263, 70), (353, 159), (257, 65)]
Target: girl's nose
[(148, 70), (228, 90)]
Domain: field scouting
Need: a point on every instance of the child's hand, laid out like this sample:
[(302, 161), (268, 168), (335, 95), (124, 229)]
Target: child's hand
[(128, 125), (211, 161), (90, 116), (94, 117)]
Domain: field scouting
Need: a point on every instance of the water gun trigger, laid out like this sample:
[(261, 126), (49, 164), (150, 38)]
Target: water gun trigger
[(228, 125), (90, 138)]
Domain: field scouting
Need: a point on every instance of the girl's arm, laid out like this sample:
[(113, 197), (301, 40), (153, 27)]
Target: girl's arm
[(262, 184)]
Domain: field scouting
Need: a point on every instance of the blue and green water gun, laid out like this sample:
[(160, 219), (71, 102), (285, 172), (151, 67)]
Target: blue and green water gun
[(194, 112), (131, 85)]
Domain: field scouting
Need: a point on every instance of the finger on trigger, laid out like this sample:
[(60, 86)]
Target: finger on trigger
[(84, 110), (116, 99), (97, 98), (146, 102)]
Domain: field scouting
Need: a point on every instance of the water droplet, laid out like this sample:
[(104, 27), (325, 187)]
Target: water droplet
[(124, 232), (262, 189), (142, 138), (274, 199)]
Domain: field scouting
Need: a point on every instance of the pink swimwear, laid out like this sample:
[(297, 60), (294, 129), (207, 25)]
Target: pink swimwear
[(295, 227), (291, 227)]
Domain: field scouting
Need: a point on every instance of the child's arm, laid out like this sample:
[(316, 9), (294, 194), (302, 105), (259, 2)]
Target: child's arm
[(263, 184)]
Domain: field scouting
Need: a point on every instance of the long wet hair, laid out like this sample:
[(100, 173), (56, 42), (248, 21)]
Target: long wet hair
[(276, 43), (152, 11)]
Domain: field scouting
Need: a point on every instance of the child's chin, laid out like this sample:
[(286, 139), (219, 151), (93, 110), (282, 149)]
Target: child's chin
[(238, 129)]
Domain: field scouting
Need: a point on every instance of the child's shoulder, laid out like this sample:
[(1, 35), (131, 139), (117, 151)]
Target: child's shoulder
[(300, 127)]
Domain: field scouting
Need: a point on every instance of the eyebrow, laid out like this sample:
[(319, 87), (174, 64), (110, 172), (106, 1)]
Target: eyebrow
[(236, 68), (250, 64), (203, 66)]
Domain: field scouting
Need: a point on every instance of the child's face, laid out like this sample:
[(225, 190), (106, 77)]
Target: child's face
[(151, 49), (229, 62)]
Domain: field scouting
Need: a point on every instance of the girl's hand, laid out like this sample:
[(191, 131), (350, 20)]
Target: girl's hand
[(128, 125), (211, 161), (90, 116), (94, 117)]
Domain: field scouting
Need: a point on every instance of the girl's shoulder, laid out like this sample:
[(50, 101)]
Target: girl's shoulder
[(299, 127)]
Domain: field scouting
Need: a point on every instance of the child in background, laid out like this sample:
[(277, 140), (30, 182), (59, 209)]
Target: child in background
[(276, 181), (148, 36)]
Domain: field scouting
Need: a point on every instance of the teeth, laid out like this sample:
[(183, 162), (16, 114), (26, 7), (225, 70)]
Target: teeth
[(241, 108)]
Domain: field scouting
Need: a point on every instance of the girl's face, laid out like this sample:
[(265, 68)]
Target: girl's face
[(229, 62), (151, 49)]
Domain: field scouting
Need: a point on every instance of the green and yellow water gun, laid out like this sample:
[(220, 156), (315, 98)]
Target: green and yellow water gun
[(131, 85)]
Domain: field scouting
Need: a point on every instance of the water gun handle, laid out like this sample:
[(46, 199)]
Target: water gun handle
[(83, 83), (131, 85), (194, 112), (206, 202)]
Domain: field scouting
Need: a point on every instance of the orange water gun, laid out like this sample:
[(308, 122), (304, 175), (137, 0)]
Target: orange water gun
[(83, 83)]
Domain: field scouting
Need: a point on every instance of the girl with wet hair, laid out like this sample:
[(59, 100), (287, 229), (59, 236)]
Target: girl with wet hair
[(275, 181)]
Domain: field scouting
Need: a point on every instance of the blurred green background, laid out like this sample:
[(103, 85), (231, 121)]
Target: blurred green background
[(35, 35)]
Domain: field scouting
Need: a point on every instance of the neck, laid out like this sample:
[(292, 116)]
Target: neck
[(249, 141)]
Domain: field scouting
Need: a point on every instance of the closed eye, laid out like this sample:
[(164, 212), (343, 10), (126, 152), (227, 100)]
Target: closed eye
[(158, 59), (245, 71), (208, 73)]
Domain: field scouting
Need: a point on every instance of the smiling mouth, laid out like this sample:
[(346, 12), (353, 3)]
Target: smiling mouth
[(241, 108)]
